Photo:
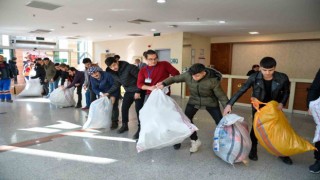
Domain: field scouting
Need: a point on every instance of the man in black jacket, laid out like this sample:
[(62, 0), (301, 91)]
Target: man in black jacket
[(126, 74), (41, 74), (313, 94), (14, 69), (267, 85)]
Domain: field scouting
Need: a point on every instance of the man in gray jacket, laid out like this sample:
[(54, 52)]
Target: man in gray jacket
[(50, 73), (205, 92)]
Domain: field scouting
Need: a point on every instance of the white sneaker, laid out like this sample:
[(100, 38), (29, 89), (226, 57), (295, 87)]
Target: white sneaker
[(195, 145)]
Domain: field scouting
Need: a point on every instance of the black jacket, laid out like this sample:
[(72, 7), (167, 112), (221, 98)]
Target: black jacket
[(280, 89), (126, 76), (314, 91), (5, 71), (78, 79), (40, 73), (13, 67)]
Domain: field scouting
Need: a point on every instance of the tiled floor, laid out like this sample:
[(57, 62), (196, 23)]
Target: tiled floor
[(64, 152)]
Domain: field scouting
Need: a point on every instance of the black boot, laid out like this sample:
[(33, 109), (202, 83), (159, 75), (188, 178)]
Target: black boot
[(123, 128), (286, 159), (253, 153), (114, 125), (136, 135), (177, 146)]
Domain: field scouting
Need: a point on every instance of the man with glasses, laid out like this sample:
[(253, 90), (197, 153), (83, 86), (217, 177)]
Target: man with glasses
[(155, 71)]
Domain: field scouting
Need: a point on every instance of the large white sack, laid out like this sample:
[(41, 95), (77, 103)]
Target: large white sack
[(231, 140), (99, 114), (163, 123), (62, 98), (314, 107), (33, 88)]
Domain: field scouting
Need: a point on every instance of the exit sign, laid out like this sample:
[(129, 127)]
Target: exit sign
[(40, 38), (156, 34)]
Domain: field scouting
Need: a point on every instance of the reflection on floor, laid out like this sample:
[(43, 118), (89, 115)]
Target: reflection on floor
[(41, 141)]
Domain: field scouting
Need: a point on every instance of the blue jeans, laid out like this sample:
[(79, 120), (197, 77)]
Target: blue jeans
[(215, 113), (51, 87), (5, 89), (87, 94), (56, 83)]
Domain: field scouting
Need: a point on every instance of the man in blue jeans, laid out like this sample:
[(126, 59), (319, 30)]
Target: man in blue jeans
[(5, 80), (90, 95), (126, 74)]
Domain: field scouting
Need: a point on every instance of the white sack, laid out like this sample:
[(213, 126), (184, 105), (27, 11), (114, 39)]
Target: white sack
[(232, 141), (32, 88), (163, 123), (314, 107), (62, 98), (100, 113)]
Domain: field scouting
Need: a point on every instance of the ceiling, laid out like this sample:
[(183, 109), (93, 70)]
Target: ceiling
[(195, 16)]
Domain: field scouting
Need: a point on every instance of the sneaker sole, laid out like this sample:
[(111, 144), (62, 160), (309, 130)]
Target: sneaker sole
[(314, 172)]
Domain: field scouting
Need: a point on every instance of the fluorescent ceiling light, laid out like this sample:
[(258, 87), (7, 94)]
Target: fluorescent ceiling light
[(89, 19), (161, 1), (153, 30), (51, 29), (254, 32), (222, 22)]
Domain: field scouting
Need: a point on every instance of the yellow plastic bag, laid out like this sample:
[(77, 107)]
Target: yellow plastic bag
[(274, 132)]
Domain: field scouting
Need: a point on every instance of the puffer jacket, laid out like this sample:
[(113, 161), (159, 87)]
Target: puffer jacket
[(5, 71), (280, 88), (126, 76), (206, 92)]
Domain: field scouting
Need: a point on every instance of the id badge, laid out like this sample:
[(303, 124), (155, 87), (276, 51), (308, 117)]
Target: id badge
[(148, 80)]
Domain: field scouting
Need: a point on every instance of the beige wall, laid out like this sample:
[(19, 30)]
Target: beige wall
[(273, 37), (129, 48), (201, 46), (296, 59), (299, 59)]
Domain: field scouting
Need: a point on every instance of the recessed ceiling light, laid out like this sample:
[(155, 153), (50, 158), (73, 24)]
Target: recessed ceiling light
[(222, 22), (254, 32), (89, 19), (173, 26), (51, 29), (161, 1), (153, 30)]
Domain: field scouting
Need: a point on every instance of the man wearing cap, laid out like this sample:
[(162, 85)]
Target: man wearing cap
[(205, 92), (50, 72), (101, 82), (14, 69), (90, 95)]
